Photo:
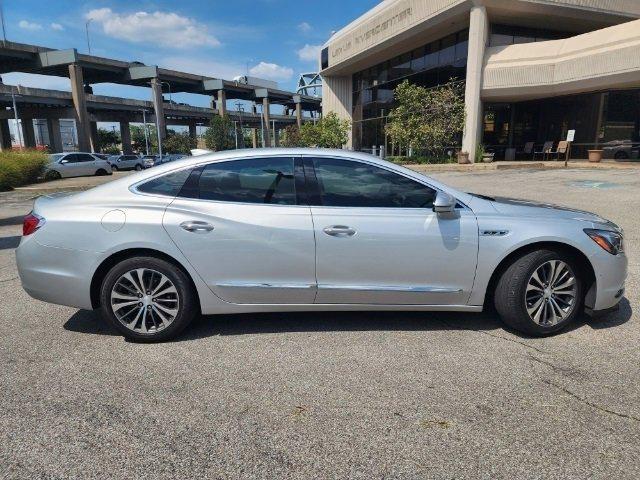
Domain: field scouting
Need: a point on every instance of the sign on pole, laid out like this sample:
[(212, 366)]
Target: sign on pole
[(571, 135)]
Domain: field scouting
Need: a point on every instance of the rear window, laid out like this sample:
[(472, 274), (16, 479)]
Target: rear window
[(168, 185)]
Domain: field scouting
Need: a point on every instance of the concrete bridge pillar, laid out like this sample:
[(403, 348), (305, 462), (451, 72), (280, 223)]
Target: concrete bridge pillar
[(222, 103), (80, 107), (5, 135), (266, 122), (125, 137), (95, 144), (193, 132), (156, 87), (55, 136), (28, 133)]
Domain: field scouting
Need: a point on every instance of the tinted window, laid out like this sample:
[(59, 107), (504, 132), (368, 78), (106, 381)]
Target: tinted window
[(259, 180), (84, 157), (169, 184), (343, 183), (129, 157)]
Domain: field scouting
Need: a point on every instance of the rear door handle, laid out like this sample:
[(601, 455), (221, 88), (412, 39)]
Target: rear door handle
[(339, 231), (196, 226)]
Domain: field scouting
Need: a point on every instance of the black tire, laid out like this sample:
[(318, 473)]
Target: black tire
[(114, 168), (101, 172), (53, 175), (139, 167), (510, 292), (621, 155), (188, 303)]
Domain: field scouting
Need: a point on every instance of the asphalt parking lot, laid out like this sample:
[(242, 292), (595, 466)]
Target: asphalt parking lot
[(328, 395)]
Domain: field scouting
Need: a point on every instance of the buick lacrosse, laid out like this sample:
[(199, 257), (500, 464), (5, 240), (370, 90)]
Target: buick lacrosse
[(307, 229)]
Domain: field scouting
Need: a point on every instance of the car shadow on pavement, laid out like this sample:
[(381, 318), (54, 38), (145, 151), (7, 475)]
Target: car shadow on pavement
[(9, 242), (89, 322)]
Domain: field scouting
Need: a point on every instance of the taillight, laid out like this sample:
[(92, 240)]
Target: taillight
[(31, 223)]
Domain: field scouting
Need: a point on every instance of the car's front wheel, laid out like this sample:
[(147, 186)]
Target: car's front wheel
[(139, 167), (147, 299), (540, 293), (114, 168)]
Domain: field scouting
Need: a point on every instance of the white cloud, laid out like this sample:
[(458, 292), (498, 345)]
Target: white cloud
[(271, 71), (56, 26), (304, 27), (29, 25), (165, 29), (309, 53)]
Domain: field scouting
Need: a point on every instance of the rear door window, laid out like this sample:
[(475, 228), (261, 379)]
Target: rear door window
[(168, 185)]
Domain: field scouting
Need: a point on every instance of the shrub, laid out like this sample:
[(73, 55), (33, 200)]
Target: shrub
[(221, 134), (19, 168), (422, 160), (179, 143)]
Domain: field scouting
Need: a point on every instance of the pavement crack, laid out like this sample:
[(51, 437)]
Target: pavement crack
[(500, 337), (589, 403)]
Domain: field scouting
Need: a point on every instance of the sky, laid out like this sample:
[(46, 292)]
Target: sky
[(273, 39)]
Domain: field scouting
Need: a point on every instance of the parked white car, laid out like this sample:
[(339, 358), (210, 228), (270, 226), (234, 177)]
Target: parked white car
[(127, 162), (75, 164)]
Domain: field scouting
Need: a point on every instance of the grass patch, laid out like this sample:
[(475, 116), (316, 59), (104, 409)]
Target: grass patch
[(19, 168)]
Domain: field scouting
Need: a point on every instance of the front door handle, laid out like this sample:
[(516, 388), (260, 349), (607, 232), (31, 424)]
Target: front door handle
[(196, 226), (339, 231)]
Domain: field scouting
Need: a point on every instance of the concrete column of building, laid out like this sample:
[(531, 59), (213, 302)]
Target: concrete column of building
[(254, 137), (28, 132), (55, 136), (95, 143), (125, 137), (158, 107), (478, 35), (266, 122), (222, 103), (5, 135), (80, 107)]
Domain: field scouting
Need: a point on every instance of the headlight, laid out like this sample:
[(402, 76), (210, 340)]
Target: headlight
[(608, 240)]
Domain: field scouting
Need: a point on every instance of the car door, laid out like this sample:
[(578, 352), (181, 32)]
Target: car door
[(379, 242), (240, 225), (72, 166), (129, 161), (86, 164)]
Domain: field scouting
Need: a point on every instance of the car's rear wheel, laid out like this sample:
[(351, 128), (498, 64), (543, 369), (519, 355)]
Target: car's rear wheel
[(540, 293), (147, 299), (139, 167), (101, 172)]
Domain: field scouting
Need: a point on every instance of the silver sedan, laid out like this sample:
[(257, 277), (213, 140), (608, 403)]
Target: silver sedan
[(303, 230)]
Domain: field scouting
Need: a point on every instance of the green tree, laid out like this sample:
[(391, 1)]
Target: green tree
[(427, 120), (108, 140), (292, 137), (220, 135), (137, 138), (178, 143), (328, 132)]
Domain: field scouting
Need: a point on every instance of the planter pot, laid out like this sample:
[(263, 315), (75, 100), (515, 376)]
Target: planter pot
[(488, 157), (595, 156), (463, 157)]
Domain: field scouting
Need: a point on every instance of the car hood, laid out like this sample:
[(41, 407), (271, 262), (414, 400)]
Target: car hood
[(527, 208)]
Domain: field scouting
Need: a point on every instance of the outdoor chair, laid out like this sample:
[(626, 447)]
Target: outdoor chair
[(528, 149), (561, 150), (546, 149)]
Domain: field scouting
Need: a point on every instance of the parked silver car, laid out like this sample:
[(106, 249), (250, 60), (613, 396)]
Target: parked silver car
[(75, 164), (305, 229), (127, 162)]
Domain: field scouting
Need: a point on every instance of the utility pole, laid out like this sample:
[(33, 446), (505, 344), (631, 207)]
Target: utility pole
[(86, 27)]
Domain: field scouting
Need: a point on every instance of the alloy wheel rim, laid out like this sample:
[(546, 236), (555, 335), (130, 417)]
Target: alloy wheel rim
[(551, 293), (145, 301)]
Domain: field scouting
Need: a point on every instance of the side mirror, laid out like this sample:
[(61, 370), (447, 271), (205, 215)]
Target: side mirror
[(62, 162), (444, 203)]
